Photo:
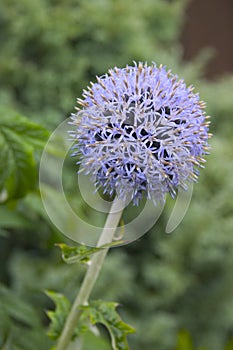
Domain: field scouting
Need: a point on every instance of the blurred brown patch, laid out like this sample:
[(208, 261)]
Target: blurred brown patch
[(209, 23)]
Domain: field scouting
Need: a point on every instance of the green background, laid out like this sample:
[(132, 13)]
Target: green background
[(176, 289)]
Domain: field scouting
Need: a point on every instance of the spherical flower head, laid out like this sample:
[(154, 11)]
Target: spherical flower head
[(141, 131)]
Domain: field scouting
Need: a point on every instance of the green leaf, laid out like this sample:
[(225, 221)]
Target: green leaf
[(57, 317), (19, 140), (22, 174), (32, 133), (81, 253), (92, 314), (77, 254), (106, 314)]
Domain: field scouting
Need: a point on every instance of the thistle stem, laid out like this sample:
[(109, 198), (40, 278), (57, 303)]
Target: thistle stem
[(91, 274)]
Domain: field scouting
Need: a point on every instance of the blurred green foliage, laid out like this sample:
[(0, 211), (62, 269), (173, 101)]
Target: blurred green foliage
[(50, 49), (20, 140)]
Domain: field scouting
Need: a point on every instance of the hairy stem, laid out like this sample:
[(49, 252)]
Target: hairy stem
[(91, 274)]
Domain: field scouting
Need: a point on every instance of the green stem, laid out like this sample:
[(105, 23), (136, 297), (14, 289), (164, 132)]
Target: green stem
[(91, 274)]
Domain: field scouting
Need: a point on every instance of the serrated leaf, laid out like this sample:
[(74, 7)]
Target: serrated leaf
[(81, 253), (19, 139), (59, 315), (106, 314), (92, 314)]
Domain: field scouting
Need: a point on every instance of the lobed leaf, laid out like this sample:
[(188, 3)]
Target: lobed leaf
[(106, 314), (92, 314), (59, 315)]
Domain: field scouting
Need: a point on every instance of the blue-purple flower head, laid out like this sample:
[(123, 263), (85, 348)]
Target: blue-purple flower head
[(141, 131)]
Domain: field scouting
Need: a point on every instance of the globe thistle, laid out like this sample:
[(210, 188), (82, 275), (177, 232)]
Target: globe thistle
[(141, 131)]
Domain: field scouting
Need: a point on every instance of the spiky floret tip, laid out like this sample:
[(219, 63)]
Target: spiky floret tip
[(141, 130)]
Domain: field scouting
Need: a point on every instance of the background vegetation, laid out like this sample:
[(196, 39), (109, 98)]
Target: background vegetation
[(175, 289)]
